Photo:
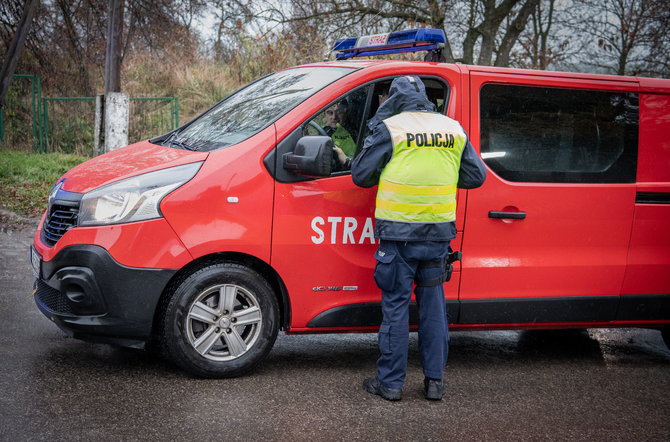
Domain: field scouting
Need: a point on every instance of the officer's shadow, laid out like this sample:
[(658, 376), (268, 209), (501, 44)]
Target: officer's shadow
[(483, 349), (524, 347)]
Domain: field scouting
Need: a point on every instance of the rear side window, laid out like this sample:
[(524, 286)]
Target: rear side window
[(538, 134)]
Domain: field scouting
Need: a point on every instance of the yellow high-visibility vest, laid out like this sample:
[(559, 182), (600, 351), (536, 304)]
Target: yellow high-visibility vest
[(342, 139), (419, 183)]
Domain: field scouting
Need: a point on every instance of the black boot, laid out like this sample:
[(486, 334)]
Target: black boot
[(433, 389), (373, 386)]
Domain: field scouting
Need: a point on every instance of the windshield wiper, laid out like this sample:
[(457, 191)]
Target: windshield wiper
[(173, 141)]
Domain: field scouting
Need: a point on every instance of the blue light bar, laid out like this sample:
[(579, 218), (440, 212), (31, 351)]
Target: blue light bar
[(421, 39)]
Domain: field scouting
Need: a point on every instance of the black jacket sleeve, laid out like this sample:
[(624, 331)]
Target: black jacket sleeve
[(377, 152), (472, 173)]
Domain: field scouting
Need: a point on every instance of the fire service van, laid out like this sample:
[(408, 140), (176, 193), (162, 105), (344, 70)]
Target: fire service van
[(210, 239)]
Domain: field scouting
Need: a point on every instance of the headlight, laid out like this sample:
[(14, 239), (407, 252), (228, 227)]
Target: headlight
[(133, 199)]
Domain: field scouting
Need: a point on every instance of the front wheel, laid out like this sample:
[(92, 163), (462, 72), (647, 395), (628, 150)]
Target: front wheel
[(220, 321)]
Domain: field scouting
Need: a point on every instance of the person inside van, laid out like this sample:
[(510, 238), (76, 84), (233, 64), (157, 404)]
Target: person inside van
[(345, 146), (330, 119)]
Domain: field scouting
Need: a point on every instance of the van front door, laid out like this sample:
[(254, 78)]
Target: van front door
[(323, 241), (323, 228), (547, 235)]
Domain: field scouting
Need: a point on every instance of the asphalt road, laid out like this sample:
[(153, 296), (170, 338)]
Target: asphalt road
[(510, 385)]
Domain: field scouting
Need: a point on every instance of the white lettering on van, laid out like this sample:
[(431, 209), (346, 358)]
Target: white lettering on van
[(350, 225), (319, 238), (350, 230), (368, 232), (334, 220)]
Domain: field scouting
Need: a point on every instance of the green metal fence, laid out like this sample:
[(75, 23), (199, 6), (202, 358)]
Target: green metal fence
[(67, 124), (20, 114), (150, 117)]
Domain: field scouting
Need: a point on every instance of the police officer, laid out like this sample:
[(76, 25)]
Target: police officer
[(418, 157)]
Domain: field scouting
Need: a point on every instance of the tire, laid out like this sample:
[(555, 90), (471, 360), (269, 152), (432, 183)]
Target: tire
[(666, 336), (220, 321)]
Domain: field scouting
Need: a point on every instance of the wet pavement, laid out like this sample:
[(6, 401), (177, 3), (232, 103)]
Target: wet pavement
[(504, 385)]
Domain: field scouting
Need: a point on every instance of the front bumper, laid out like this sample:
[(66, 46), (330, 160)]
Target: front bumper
[(92, 297)]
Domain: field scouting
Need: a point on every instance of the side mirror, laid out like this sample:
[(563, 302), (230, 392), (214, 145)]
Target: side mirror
[(312, 156)]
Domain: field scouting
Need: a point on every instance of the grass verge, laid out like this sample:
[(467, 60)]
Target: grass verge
[(27, 178)]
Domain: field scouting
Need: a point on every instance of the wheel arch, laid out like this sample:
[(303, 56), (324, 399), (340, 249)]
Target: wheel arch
[(260, 266)]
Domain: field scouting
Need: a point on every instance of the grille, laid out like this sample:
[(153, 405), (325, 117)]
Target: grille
[(61, 218), (52, 299)]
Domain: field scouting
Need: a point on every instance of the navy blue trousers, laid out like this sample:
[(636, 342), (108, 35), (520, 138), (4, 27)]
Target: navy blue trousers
[(395, 271)]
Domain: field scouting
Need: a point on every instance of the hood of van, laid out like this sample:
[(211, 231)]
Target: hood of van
[(124, 163)]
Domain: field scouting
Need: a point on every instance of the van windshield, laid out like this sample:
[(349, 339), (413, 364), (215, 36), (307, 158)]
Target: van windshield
[(252, 108)]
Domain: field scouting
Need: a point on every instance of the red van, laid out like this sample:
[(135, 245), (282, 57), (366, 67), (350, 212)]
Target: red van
[(211, 238)]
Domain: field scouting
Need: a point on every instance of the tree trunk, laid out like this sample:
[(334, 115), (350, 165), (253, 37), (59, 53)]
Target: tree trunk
[(544, 37), (469, 45), (487, 29), (14, 51), (77, 52), (513, 32), (113, 55)]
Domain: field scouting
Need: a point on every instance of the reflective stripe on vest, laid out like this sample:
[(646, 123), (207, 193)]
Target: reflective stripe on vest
[(419, 183)]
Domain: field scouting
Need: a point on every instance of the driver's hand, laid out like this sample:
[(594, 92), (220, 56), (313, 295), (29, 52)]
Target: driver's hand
[(341, 156)]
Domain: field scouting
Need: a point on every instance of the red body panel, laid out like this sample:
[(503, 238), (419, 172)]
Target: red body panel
[(227, 207), (548, 253), (323, 237), (649, 254), (574, 240), (146, 244), (653, 167)]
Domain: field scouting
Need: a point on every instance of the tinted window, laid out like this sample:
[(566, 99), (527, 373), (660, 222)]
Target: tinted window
[(341, 121), (345, 120), (252, 108), (537, 134)]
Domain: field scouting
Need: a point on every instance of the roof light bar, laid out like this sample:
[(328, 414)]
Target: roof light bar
[(412, 40)]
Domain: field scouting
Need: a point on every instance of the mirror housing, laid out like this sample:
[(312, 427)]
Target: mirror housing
[(312, 156)]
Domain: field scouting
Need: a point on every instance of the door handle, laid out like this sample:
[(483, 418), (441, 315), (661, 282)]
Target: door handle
[(507, 215)]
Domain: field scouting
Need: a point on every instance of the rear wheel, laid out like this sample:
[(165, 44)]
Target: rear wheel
[(220, 321)]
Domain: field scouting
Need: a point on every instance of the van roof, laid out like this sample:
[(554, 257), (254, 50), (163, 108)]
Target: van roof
[(647, 85)]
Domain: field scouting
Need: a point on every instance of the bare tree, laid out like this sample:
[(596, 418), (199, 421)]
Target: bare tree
[(547, 40), (514, 29), (629, 37), (655, 57), (493, 16), (231, 16), (492, 27), (68, 47), (14, 51)]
